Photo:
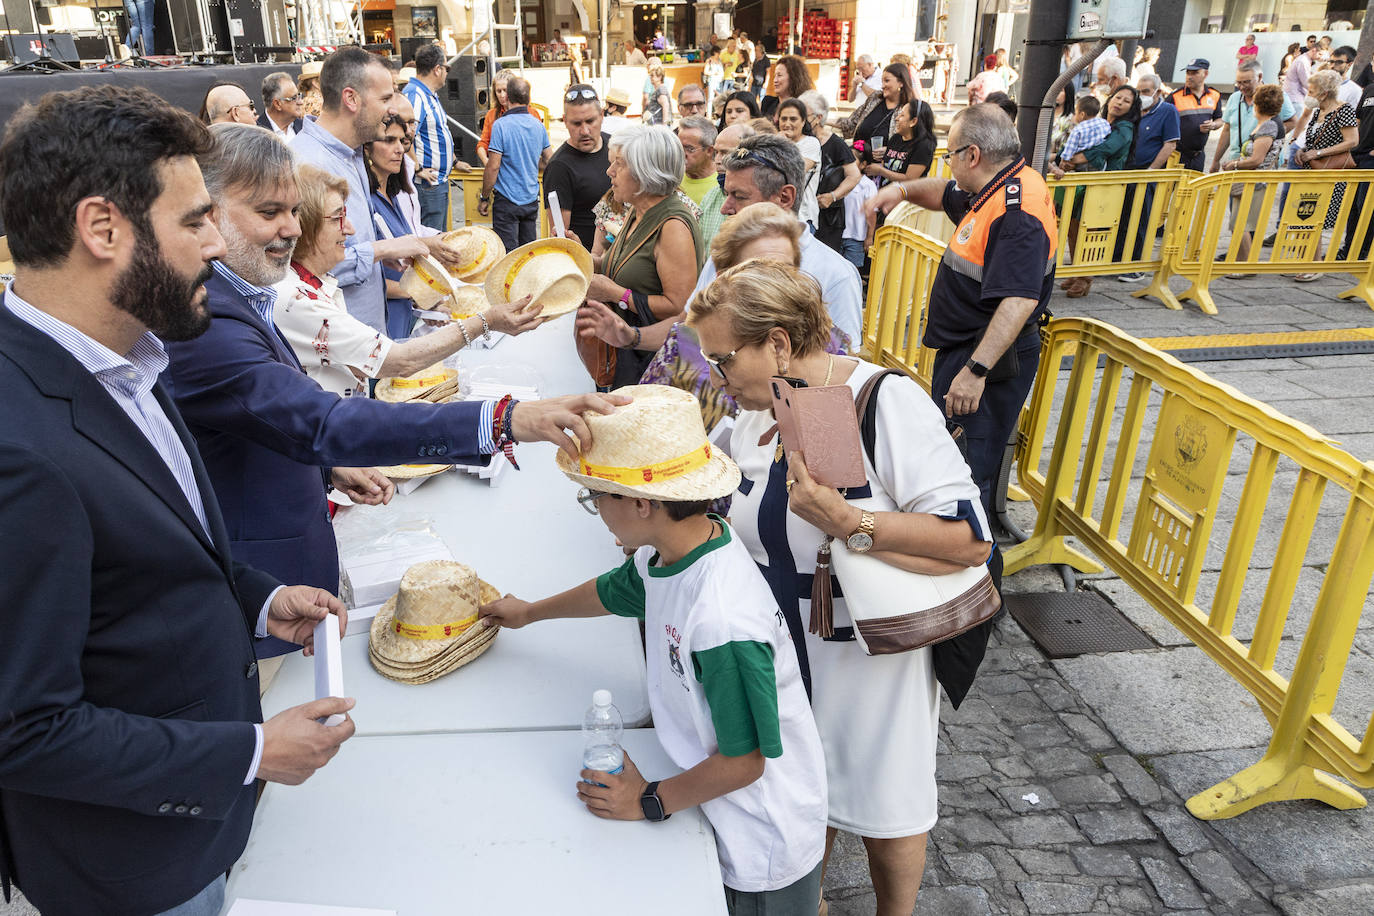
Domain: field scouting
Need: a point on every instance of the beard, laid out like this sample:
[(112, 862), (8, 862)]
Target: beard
[(167, 303), (258, 265)]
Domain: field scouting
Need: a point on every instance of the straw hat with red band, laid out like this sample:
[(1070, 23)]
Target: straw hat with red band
[(479, 249), (554, 272), (429, 627), (654, 448)]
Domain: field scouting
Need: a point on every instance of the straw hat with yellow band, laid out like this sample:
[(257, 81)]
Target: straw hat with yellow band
[(554, 272), (480, 248), (429, 627), (426, 282), (467, 301), (423, 385), (655, 448)]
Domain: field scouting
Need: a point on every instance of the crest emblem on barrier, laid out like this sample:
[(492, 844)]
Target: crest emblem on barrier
[(1307, 206), (1190, 441)]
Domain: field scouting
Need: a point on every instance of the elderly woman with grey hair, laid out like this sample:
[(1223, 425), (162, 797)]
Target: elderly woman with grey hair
[(650, 271)]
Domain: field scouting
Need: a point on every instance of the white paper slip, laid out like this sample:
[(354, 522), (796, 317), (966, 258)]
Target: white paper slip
[(328, 664), (360, 619), (555, 215), (432, 315), (245, 907)]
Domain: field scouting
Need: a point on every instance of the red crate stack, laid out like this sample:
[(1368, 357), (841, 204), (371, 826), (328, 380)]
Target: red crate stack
[(824, 38)]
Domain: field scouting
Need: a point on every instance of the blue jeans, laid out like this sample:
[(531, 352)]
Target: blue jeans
[(516, 224), (140, 13), (433, 204), (207, 903), (853, 251)]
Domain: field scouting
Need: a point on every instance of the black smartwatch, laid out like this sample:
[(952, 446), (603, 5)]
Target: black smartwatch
[(650, 804), (977, 368)]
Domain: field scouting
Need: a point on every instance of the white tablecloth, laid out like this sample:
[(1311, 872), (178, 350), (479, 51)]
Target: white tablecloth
[(474, 824)]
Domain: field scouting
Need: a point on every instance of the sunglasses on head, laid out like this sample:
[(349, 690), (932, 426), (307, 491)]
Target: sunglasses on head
[(748, 155), (572, 95)]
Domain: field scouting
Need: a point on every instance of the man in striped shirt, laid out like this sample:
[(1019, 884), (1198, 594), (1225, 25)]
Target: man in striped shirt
[(433, 142)]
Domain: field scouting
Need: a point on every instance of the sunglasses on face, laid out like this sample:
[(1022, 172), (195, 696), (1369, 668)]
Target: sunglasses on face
[(717, 363), (249, 105)]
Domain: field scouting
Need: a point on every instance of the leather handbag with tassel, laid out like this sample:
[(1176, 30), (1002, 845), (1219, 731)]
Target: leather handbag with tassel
[(895, 610)]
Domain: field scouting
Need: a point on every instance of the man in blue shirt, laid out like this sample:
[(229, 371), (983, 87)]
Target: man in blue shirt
[(519, 148), (358, 94), (433, 141), (1238, 118), (1156, 138)]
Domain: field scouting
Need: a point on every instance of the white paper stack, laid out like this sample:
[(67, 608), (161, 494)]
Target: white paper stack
[(328, 664), (376, 575), (360, 618)]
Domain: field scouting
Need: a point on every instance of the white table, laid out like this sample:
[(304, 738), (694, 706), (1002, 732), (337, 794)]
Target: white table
[(527, 536), (477, 823)]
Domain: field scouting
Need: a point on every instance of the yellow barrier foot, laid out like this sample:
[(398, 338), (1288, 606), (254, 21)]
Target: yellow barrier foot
[(1016, 494), (1271, 780), (1201, 296), (1159, 288), (1359, 291), (1037, 551)]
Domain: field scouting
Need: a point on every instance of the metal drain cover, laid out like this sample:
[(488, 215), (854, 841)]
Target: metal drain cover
[(1067, 624)]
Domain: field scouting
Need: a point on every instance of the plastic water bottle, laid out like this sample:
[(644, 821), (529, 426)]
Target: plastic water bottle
[(601, 731)]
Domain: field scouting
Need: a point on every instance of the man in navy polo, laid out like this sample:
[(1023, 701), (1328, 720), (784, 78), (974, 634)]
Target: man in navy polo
[(1156, 138)]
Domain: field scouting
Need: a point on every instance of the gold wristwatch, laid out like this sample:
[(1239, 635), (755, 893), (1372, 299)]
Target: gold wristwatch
[(861, 541)]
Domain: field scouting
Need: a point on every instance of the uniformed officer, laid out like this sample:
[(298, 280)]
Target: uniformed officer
[(993, 284)]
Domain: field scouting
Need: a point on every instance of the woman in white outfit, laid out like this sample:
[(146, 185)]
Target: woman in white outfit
[(878, 716)]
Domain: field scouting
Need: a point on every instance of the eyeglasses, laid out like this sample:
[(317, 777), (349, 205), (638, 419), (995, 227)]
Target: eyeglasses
[(572, 95), (1339, 62), (954, 152), (407, 142), (684, 106), (717, 363), (249, 105), (292, 99), (692, 150), (587, 499), (741, 156), (341, 216)]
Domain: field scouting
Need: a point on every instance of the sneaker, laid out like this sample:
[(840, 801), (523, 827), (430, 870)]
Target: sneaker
[(1239, 276), (1132, 277), (1269, 239)]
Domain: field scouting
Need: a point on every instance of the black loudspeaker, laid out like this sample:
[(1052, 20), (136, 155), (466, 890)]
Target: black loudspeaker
[(469, 83), (27, 48), (464, 146)]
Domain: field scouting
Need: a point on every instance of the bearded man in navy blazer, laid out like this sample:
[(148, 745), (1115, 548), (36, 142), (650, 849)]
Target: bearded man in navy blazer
[(271, 436), (129, 717)]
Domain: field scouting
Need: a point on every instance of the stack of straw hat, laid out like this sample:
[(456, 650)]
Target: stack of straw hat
[(434, 385), (429, 627), (555, 273)]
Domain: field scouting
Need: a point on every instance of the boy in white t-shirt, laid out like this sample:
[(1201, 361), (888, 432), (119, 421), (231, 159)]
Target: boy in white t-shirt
[(723, 680), (858, 230)]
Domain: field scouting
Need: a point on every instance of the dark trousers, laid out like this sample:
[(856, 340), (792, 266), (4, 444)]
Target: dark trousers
[(516, 224), (433, 204), (1352, 219), (1196, 161), (1140, 230), (989, 427)]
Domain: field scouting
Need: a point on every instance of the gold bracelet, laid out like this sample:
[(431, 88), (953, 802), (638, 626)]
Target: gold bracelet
[(901, 186)]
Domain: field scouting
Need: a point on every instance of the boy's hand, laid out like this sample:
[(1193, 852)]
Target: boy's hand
[(509, 612), (619, 799)]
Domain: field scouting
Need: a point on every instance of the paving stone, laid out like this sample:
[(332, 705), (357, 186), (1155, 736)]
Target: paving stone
[(959, 900), (1015, 798), (1062, 761), (864, 904), (1139, 784), (1085, 790), (1021, 709), (973, 829), (1106, 863), (1040, 830), (1220, 878), (1126, 900), (1088, 731), (1114, 826), (1044, 862), (961, 766), (976, 739), (973, 711), (1008, 869), (970, 866), (1172, 884), (1055, 694), (1054, 897), (1353, 900), (1181, 830), (1001, 684), (969, 797), (1013, 767), (1041, 735)]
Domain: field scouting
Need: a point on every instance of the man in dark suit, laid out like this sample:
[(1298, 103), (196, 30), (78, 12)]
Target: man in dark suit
[(283, 106), (271, 436), (129, 735)]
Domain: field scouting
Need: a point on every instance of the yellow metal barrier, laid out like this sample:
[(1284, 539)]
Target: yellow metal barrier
[(1210, 205), (469, 184), (899, 284), (1100, 212), (1195, 429)]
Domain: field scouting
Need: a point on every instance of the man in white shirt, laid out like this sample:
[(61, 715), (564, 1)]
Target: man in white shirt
[(633, 56), (283, 107), (867, 79), (768, 167)]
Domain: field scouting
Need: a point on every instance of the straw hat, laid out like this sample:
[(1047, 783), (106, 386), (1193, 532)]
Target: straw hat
[(311, 69), (467, 301), (405, 75), (555, 272), (654, 448), (412, 471), (429, 627), (427, 384), (481, 249), (427, 282), (618, 97)]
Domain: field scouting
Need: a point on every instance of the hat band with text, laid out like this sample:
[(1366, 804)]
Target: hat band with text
[(665, 470), (435, 631), (429, 279), (428, 381)]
